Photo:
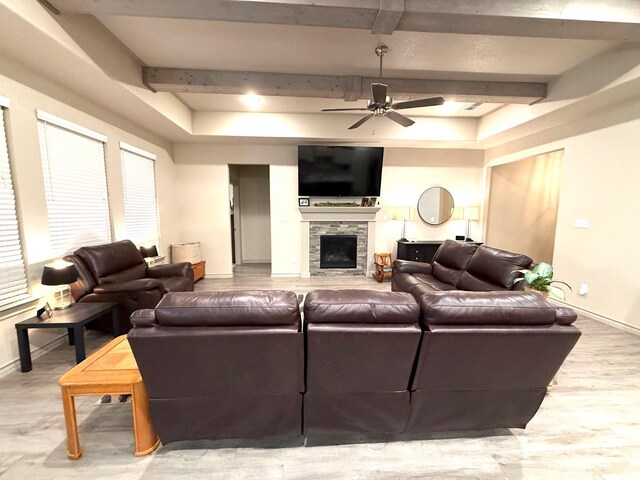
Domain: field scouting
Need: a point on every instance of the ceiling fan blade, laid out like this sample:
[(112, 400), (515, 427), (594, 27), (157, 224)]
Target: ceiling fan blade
[(379, 92), (361, 121), (424, 102), (401, 119), (344, 109)]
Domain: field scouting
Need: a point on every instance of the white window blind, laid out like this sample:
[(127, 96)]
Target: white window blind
[(140, 206), (13, 278), (75, 183)]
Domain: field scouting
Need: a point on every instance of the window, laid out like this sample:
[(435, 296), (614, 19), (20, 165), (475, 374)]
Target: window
[(140, 206), (13, 278), (75, 185)]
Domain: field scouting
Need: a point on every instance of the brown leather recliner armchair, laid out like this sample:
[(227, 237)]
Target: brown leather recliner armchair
[(222, 364), (117, 272), (361, 348), (486, 359)]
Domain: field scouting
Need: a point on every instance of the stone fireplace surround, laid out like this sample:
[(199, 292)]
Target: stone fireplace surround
[(316, 221)]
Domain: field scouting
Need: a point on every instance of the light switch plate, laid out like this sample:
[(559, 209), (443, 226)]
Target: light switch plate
[(581, 223)]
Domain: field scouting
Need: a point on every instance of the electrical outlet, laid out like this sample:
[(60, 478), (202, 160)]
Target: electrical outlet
[(584, 289), (581, 223)]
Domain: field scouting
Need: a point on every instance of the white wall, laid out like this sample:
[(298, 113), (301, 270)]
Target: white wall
[(600, 178), (407, 172), (255, 222), (26, 162)]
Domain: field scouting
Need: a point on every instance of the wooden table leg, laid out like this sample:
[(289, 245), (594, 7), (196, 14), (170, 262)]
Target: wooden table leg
[(24, 349), (78, 339), (73, 443), (144, 434)]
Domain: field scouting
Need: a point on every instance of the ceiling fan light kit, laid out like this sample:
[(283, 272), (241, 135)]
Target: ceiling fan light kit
[(382, 105)]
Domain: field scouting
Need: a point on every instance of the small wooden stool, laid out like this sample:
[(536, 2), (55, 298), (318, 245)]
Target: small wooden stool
[(383, 264)]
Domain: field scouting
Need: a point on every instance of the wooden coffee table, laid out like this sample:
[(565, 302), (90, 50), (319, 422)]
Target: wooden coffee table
[(112, 370)]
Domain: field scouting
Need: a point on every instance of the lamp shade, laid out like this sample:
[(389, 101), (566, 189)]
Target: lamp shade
[(402, 213), (151, 251), (59, 273), (471, 213)]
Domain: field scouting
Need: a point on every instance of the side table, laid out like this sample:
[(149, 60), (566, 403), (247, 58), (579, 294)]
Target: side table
[(73, 319), (198, 270), (111, 370)]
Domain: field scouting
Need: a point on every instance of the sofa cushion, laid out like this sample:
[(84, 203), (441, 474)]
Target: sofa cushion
[(112, 258), (451, 259), (492, 269), (176, 284), (434, 282), (486, 308), (360, 306), (224, 309)]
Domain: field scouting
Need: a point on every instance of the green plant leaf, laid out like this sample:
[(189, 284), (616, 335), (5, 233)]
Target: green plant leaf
[(564, 283), (544, 270), (556, 292), (530, 277)]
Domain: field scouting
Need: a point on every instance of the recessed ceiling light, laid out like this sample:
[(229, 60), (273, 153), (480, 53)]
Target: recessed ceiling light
[(450, 107), (252, 101)]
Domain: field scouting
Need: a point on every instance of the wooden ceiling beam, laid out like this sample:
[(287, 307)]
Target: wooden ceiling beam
[(617, 20), (349, 88)]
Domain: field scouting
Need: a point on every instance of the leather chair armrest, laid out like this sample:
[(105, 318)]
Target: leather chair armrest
[(565, 316), (143, 318), (139, 285), (407, 266), (182, 269)]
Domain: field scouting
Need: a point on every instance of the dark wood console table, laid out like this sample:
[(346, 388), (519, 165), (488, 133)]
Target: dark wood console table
[(420, 250)]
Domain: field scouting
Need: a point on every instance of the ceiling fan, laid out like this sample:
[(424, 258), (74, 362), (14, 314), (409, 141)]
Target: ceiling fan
[(382, 105)]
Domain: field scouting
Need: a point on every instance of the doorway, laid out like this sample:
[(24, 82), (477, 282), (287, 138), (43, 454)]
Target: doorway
[(250, 217), (523, 205)]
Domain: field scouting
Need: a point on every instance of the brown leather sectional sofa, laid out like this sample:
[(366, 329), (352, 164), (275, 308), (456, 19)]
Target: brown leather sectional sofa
[(116, 272), (243, 365), (460, 266)]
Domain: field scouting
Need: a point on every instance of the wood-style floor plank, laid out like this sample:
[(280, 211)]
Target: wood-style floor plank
[(587, 428)]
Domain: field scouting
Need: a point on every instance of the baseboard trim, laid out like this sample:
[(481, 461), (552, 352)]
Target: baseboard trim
[(218, 275), (601, 318), (285, 275), (36, 352)]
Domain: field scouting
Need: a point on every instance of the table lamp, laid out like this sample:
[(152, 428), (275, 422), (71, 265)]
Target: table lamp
[(404, 214), (469, 214), (60, 274)]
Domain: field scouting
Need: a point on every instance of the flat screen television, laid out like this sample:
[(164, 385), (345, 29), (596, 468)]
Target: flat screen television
[(339, 171)]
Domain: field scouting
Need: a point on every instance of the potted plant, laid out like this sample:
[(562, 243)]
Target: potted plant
[(540, 279)]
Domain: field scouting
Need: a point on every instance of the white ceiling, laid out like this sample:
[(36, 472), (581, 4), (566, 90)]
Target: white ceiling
[(162, 42), (237, 103)]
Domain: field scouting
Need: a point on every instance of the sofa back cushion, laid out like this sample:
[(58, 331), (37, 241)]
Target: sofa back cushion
[(360, 306), (486, 308), (113, 262), (451, 260), (360, 341), (225, 309), (492, 269)]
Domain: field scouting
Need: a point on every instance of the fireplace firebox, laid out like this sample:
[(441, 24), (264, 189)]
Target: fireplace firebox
[(338, 251)]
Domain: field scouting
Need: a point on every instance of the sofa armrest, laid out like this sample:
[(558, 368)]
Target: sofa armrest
[(565, 316), (182, 269), (408, 266), (132, 286), (143, 318)]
